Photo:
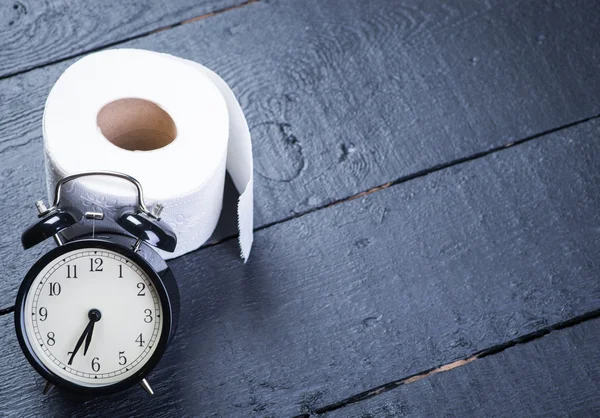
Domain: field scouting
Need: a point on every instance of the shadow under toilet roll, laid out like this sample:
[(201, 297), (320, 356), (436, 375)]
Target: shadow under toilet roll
[(227, 225)]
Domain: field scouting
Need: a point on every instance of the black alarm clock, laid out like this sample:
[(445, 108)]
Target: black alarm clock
[(95, 314)]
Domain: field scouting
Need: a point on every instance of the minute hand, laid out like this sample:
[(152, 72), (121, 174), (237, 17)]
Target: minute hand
[(94, 315), (88, 340)]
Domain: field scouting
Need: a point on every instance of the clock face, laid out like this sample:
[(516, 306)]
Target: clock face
[(93, 317)]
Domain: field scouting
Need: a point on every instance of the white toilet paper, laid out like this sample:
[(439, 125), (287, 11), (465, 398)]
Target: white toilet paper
[(122, 95)]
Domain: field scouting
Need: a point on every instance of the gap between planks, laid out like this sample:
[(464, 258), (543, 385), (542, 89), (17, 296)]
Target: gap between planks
[(131, 38), (490, 351), (524, 339), (6, 311), (202, 17), (418, 174), (414, 176)]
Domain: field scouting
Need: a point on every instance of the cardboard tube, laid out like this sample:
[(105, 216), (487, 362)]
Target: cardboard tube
[(136, 125)]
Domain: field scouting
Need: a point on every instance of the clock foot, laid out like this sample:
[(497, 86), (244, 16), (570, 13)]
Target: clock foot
[(144, 383), (47, 388)]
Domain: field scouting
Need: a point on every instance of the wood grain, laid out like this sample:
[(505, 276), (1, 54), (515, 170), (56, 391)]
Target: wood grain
[(350, 297), (343, 96), (554, 376), (36, 32)]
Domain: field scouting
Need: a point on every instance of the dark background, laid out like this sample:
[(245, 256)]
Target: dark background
[(426, 184)]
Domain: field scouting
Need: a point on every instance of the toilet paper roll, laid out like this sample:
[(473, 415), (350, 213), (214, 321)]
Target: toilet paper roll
[(171, 123)]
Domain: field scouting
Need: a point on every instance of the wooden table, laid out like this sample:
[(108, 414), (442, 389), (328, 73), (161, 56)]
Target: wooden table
[(427, 206)]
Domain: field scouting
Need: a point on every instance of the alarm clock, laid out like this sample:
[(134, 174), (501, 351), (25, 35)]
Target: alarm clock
[(95, 314)]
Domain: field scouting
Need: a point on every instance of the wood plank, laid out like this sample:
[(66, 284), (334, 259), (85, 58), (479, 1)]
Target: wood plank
[(554, 376), (366, 292), (37, 32), (343, 96)]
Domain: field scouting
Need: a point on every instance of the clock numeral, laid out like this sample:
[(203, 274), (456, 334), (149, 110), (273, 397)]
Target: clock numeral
[(54, 288), (120, 271), (43, 312), (141, 286), (71, 272), (140, 340), (122, 358), (50, 341), (148, 317), (96, 264), (95, 364)]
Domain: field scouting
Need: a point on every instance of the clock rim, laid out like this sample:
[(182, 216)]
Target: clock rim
[(38, 364)]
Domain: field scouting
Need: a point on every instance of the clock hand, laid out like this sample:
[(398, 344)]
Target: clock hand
[(94, 315), (80, 341), (88, 339)]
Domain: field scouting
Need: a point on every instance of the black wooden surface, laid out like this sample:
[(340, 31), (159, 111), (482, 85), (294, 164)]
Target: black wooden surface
[(344, 96), (555, 376), (338, 299), (37, 32), (366, 292)]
